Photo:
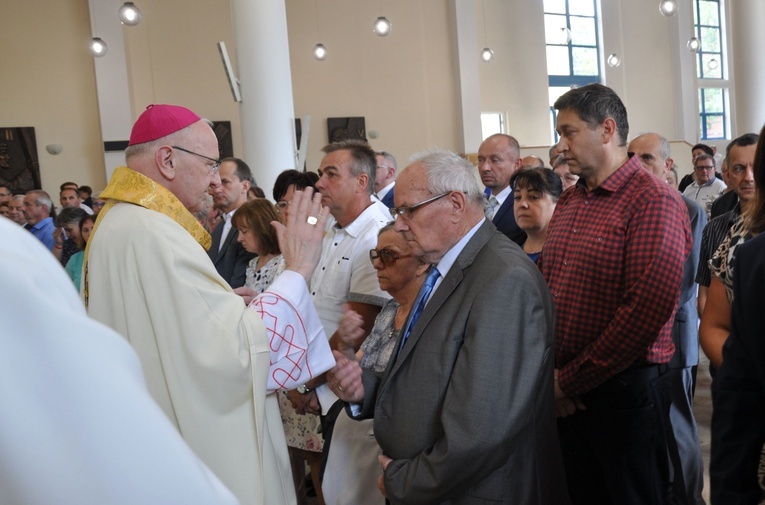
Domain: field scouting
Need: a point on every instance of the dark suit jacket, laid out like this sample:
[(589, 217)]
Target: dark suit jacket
[(232, 259), (388, 199), (685, 334), (738, 391), (504, 220), (723, 204), (466, 410)]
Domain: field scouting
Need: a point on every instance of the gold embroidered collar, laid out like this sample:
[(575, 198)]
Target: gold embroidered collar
[(129, 186)]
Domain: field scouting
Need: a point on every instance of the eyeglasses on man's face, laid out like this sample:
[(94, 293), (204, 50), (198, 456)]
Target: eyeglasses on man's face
[(386, 256), (407, 211), (214, 164)]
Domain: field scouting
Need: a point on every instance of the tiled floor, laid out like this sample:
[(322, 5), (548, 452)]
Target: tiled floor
[(702, 410)]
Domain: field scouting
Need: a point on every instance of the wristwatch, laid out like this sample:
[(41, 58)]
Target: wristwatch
[(303, 389)]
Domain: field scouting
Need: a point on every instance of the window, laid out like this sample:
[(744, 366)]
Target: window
[(491, 123), (711, 69), (573, 47)]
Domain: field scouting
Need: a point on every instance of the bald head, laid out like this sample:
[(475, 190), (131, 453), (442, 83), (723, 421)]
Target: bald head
[(532, 162), (184, 162), (653, 151)]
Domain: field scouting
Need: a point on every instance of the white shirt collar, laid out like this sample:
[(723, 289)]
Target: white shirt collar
[(384, 191)]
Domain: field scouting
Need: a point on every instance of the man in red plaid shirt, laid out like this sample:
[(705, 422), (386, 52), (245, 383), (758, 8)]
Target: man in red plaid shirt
[(613, 260)]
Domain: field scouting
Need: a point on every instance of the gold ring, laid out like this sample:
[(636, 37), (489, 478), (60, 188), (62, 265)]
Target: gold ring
[(312, 220), (340, 388)]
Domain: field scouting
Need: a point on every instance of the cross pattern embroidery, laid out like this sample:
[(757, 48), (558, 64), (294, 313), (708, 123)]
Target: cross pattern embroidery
[(289, 341)]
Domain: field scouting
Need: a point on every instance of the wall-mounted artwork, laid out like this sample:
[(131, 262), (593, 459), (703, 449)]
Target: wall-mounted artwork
[(346, 128), (19, 164), (222, 131)]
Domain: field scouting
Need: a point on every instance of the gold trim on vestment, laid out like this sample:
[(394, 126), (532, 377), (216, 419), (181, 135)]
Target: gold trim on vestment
[(129, 186)]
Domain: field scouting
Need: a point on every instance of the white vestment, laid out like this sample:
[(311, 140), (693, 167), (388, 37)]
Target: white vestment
[(205, 356), (78, 424)]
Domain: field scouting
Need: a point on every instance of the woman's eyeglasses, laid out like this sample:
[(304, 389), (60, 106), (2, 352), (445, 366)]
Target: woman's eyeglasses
[(386, 256)]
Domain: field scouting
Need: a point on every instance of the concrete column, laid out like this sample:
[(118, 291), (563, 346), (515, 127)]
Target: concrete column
[(467, 66), (263, 65), (111, 80), (747, 39), (684, 68)]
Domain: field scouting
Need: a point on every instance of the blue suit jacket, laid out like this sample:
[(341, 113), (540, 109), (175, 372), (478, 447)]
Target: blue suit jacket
[(232, 259), (685, 334), (388, 199)]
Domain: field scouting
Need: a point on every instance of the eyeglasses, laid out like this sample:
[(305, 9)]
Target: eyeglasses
[(281, 205), (408, 211), (386, 256), (700, 168), (215, 163)]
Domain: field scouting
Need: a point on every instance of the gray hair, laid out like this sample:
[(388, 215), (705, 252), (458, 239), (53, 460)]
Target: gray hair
[(387, 227), (363, 159), (388, 157), (664, 149), (42, 198), (70, 215), (447, 172), (702, 157)]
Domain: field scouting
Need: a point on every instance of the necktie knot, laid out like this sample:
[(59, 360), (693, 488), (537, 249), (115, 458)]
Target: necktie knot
[(493, 202), (430, 280), (422, 299)]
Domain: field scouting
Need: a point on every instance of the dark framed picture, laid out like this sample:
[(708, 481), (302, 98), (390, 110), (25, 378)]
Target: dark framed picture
[(346, 128), (19, 163)]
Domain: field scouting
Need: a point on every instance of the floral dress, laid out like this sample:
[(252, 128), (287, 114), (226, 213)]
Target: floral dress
[(259, 280), (379, 345), (721, 263)]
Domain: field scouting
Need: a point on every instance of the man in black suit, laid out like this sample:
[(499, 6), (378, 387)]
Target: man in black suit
[(228, 255), (738, 391), (499, 157)]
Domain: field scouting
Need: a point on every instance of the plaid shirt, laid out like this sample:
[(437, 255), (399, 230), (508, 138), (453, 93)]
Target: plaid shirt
[(613, 259)]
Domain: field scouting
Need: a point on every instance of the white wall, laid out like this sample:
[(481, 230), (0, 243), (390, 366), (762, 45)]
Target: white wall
[(403, 84), (47, 81)]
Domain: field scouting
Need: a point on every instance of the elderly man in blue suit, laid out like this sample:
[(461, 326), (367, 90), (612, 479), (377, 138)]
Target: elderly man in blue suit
[(499, 157)]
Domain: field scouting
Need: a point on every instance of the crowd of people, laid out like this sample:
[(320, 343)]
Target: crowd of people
[(514, 333)]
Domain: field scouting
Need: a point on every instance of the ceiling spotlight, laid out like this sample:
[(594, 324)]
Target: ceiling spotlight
[(319, 52), (613, 60), (487, 54), (129, 14), (382, 26), (694, 45), (97, 47), (668, 7)]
